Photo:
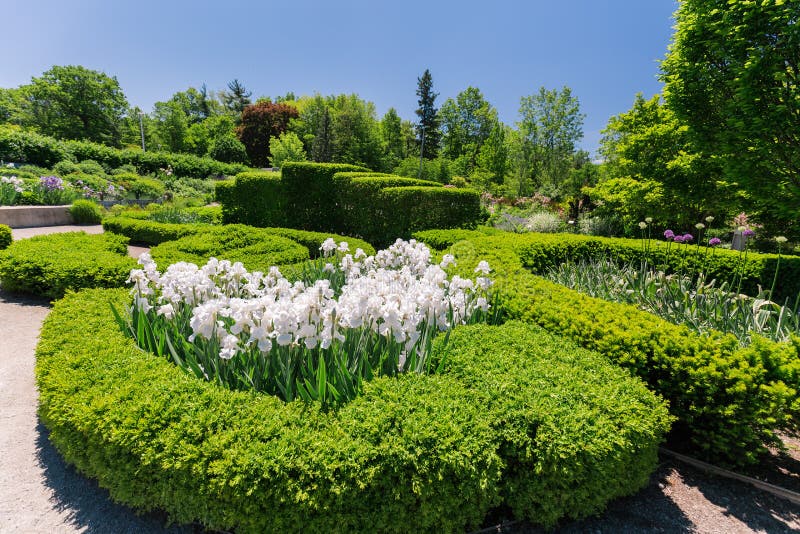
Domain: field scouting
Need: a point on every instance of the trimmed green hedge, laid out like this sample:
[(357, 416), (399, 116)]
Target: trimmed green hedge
[(574, 431), (144, 232), (29, 147), (415, 453), (729, 400), (5, 236), (540, 252), (50, 265), (443, 239), (256, 249), (255, 198), (310, 194)]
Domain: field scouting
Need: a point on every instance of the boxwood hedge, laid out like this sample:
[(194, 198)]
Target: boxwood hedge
[(50, 265), (256, 249), (730, 401), (416, 453), (5, 236), (539, 252)]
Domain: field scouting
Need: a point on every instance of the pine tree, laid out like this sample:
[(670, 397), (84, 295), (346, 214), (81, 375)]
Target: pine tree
[(237, 98), (322, 147), (428, 134)]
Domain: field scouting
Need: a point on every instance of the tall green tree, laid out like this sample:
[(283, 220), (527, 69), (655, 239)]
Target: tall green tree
[(428, 134), (73, 102), (236, 98), (732, 75), (356, 137), (171, 125), (466, 123), (550, 126), (648, 149), (394, 148), (494, 153)]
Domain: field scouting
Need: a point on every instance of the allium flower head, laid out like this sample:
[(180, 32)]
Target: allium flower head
[(714, 241), (780, 239), (648, 220), (678, 238), (748, 232), (687, 237), (709, 219), (669, 234), (642, 225), (699, 226)]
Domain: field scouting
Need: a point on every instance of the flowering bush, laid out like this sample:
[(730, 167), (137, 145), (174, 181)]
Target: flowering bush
[(10, 189), (352, 318)]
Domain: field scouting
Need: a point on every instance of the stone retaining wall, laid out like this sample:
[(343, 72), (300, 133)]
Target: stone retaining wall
[(26, 216)]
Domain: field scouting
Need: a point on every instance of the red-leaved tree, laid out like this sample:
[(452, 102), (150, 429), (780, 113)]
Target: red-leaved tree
[(261, 121)]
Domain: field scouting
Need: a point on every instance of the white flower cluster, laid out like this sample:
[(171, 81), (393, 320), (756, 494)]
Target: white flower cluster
[(13, 181), (396, 294)]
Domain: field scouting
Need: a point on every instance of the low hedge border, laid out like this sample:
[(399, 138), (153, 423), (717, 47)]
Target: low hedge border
[(6, 237), (420, 453), (730, 401), (51, 265), (151, 233), (540, 252)]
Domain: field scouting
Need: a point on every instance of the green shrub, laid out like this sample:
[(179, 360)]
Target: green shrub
[(313, 240), (21, 146), (91, 167), (443, 239), (256, 249), (574, 431), (85, 212), (416, 453), (228, 149), (310, 194), (50, 265), (729, 400), (255, 198), (145, 232), (65, 167), (5, 236)]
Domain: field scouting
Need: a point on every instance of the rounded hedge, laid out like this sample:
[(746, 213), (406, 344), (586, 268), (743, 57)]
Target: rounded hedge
[(50, 265), (516, 417), (256, 249), (6, 237), (86, 212)]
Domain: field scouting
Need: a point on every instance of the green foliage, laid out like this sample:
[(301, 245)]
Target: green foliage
[(21, 146), (729, 400), (256, 249), (50, 265), (576, 432), (146, 232), (63, 168), (428, 133), (435, 170), (73, 102), (255, 198), (309, 191), (5, 236), (467, 122), (261, 122), (86, 212), (228, 149), (313, 240), (731, 75), (443, 239), (145, 188), (414, 453), (286, 147)]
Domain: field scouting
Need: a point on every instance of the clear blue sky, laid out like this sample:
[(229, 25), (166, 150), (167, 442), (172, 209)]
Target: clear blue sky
[(605, 50)]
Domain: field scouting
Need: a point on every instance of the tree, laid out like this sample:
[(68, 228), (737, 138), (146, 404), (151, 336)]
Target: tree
[(428, 134), (356, 139), (649, 145), (260, 122), (493, 154), (228, 149), (286, 147), (171, 125), (550, 126), (466, 123), (322, 147), (732, 74), (12, 102), (236, 98), (391, 128), (73, 102)]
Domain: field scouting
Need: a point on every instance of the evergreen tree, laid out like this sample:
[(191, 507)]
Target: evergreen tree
[(428, 134), (322, 146), (236, 98)]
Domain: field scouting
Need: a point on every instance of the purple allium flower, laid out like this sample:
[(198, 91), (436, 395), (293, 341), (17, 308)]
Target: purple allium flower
[(669, 234), (51, 183), (748, 233), (714, 241), (679, 239), (687, 237)]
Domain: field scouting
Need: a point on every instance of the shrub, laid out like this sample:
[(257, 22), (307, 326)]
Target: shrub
[(228, 149), (146, 232), (91, 167), (256, 249), (50, 265), (419, 453), (544, 222), (145, 187), (443, 239), (21, 146), (599, 226), (5, 236), (313, 240), (65, 167), (286, 147), (310, 194), (86, 212), (729, 400), (255, 198)]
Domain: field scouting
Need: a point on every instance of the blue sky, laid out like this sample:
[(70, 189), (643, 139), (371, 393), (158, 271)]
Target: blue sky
[(605, 50)]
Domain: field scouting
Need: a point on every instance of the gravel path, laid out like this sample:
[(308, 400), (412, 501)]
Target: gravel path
[(39, 493)]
